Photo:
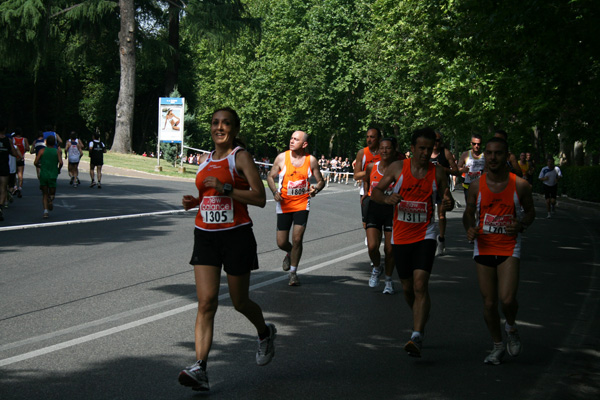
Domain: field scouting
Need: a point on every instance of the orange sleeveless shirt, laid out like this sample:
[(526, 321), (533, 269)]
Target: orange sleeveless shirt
[(495, 211), (414, 218), (20, 143), (374, 179), (217, 212), (294, 186)]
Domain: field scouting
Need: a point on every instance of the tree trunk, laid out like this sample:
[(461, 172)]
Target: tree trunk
[(124, 119), (172, 73), (330, 147)]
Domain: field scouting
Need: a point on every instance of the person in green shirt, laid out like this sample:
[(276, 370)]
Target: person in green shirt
[(49, 160)]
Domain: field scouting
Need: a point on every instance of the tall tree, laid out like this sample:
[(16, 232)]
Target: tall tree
[(125, 104)]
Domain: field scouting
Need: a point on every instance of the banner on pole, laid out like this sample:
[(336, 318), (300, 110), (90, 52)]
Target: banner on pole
[(170, 119)]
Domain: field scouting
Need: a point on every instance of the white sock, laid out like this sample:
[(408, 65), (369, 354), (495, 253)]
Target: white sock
[(293, 269), (416, 334), (508, 327), (388, 278)]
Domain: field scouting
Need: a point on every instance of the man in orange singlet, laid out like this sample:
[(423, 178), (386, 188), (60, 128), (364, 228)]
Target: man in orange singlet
[(293, 169), (416, 183), (364, 157), (494, 221)]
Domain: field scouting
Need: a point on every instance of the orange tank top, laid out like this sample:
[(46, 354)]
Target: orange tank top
[(374, 179), (524, 167), (294, 186), (495, 211), (414, 218), (217, 212), (20, 143), (368, 158)]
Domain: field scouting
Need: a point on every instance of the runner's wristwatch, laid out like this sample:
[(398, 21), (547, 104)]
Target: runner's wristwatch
[(227, 189)]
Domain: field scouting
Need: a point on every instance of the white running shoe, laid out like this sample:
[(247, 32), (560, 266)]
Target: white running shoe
[(513, 344), (495, 357), (441, 247), (293, 279), (389, 287), (195, 377), (375, 274), (266, 347)]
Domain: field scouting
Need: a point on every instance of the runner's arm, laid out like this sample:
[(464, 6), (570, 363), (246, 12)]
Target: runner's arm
[(38, 157), (391, 175), (314, 166), (358, 172), (60, 161), (366, 181), (515, 165), (452, 161), (462, 167), (256, 195), (274, 172), (469, 218), (443, 189)]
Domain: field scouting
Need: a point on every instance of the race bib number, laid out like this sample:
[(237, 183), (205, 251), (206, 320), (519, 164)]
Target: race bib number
[(297, 188), (413, 212), (474, 175), (216, 209), (496, 223)]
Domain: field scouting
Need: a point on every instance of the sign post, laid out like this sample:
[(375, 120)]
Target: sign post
[(170, 123)]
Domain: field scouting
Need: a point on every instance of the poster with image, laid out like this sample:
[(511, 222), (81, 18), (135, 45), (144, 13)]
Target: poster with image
[(170, 119)]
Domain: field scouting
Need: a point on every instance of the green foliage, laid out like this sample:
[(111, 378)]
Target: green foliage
[(170, 152), (579, 182), (329, 67)]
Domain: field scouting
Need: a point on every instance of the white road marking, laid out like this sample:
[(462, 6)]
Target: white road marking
[(140, 322), (116, 217)]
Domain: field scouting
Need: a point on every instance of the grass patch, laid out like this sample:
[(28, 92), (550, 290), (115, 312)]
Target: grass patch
[(147, 164)]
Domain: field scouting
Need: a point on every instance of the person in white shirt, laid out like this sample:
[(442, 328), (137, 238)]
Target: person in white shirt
[(549, 175)]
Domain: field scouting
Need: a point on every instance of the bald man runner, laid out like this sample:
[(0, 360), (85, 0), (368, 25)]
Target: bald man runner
[(293, 170)]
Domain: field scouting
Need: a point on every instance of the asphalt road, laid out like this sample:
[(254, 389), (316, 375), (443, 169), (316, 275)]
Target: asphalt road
[(99, 303)]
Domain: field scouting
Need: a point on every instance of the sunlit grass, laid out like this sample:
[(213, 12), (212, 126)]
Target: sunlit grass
[(147, 164)]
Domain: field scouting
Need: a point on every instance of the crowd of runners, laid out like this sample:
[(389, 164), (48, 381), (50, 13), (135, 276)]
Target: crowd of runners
[(400, 197), (48, 150)]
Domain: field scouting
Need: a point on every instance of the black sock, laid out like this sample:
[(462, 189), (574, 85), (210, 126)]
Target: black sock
[(265, 334), (442, 239), (202, 364)]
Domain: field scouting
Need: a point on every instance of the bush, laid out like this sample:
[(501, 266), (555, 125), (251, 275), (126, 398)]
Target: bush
[(577, 182), (170, 152)]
